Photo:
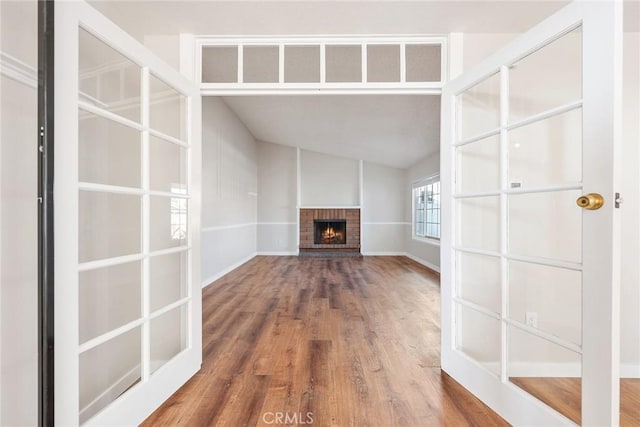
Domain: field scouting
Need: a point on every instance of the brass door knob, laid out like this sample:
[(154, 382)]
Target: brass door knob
[(591, 201)]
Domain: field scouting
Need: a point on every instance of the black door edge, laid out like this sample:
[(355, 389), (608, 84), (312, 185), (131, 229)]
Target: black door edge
[(45, 152)]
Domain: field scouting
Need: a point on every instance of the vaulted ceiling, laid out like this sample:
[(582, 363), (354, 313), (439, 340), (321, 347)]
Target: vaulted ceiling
[(395, 130)]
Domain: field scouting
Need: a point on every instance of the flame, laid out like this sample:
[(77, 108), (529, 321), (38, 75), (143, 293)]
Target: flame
[(330, 235)]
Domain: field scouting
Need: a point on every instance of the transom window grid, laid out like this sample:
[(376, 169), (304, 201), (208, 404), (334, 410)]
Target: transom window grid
[(338, 63)]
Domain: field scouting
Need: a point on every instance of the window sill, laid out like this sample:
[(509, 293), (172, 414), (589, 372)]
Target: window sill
[(427, 240)]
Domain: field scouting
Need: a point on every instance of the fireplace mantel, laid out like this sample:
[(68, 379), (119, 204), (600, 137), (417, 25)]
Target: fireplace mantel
[(309, 215)]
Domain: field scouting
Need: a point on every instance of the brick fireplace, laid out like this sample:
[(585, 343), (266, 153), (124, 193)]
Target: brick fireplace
[(329, 230)]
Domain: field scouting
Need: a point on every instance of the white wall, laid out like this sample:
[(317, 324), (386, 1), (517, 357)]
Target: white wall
[(630, 274), (18, 218), (383, 210), (328, 180), (229, 190), (277, 199), (166, 47), (426, 251), (477, 46)]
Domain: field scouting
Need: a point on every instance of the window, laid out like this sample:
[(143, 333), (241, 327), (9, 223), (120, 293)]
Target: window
[(426, 208), (178, 213)]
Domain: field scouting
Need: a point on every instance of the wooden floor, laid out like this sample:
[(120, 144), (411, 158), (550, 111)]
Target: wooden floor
[(564, 395), (341, 341)]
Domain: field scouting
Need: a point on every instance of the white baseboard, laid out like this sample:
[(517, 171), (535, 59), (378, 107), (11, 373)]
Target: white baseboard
[(372, 253), (423, 262), (227, 270), (278, 253)]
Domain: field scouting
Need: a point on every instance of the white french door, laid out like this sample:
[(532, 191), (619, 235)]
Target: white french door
[(530, 286), (127, 198)]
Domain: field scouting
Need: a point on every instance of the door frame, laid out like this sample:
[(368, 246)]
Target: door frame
[(602, 75), (46, 278), (144, 397)]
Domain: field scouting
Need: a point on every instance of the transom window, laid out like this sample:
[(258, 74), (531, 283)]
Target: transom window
[(426, 208), (309, 63)]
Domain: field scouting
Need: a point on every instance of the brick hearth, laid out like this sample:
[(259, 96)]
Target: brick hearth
[(307, 216)]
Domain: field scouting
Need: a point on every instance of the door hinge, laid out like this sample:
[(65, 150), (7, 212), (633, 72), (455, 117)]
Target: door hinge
[(618, 200)]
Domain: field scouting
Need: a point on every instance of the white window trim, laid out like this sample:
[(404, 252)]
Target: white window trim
[(419, 183), (427, 240)]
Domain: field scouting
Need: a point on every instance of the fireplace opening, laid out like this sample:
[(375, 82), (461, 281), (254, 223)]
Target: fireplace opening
[(330, 232)]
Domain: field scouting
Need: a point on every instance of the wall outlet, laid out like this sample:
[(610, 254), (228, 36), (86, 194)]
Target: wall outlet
[(531, 319)]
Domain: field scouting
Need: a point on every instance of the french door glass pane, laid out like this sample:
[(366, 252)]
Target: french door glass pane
[(553, 296), (546, 370), (479, 280), (109, 153), (479, 337), (168, 282), (547, 225), (108, 79), (109, 225), (168, 166), (108, 370), (168, 222), (168, 336), (101, 291), (547, 152), (479, 223), (167, 109), (479, 165), (547, 78), (479, 108)]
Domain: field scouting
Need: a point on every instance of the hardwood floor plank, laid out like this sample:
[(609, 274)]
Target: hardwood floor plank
[(350, 341), (315, 397)]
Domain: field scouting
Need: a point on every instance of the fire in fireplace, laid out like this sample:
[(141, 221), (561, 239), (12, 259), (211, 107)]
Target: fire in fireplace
[(330, 232)]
